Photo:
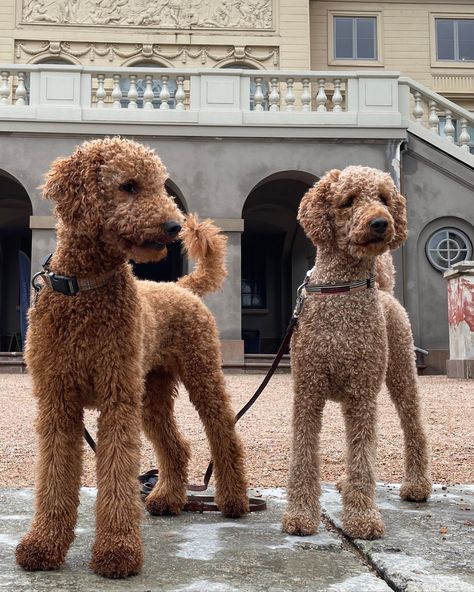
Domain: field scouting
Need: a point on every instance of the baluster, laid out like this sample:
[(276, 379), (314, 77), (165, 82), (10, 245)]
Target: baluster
[(117, 93), (180, 94), (449, 127), (148, 95), (305, 96), (433, 119), (164, 94), (418, 111), (321, 97), (100, 94), (258, 96), (20, 93), (290, 97), (464, 137), (274, 97), (4, 89), (132, 93), (337, 96)]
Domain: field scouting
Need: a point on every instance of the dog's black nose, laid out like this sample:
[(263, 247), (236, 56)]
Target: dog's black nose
[(378, 225), (172, 227)]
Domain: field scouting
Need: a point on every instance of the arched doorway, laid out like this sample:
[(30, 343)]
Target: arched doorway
[(15, 238), (171, 268), (275, 257)]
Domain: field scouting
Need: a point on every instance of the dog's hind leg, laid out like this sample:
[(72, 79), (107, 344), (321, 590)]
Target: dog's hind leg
[(361, 517), (59, 428), (172, 450), (203, 378), (402, 384), (303, 512)]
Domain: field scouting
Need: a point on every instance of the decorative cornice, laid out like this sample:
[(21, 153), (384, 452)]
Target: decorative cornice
[(145, 51)]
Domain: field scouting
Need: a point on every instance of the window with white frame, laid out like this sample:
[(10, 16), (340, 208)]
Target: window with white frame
[(455, 40), (355, 38), (447, 246)]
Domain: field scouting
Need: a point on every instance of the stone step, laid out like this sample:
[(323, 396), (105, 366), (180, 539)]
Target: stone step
[(12, 363)]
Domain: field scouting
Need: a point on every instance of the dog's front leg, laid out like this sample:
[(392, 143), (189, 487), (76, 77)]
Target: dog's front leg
[(59, 429), (118, 550), (361, 518), (303, 512)]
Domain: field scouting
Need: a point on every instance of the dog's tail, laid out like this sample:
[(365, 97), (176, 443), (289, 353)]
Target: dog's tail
[(204, 243), (385, 272)]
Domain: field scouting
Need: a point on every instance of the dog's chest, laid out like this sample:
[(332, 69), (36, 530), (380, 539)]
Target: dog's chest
[(339, 331)]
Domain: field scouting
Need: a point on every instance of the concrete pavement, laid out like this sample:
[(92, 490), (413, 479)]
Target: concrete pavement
[(427, 547)]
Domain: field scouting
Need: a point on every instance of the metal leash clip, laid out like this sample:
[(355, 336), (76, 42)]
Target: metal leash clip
[(300, 296)]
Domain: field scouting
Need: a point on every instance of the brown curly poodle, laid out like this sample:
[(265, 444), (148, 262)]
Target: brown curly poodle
[(122, 347), (347, 343)]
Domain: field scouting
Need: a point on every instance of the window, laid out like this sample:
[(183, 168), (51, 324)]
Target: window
[(355, 38), (448, 246), (253, 288), (455, 40)]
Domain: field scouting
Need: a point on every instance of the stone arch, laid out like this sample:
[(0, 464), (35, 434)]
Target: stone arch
[(48, 58), (275, 257), (246, 63), (15, 237), (138, 62), (175, 264)]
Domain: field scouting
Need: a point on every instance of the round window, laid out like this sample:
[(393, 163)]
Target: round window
[(448, 246)]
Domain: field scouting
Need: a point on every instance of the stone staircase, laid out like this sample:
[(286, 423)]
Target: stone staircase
[(12, 363)]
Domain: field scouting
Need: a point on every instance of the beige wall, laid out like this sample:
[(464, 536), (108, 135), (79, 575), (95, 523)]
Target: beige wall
[(407, 42), (283, 45)]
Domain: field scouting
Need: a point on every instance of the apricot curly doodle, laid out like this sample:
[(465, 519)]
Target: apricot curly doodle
[(346, 344), (122, 348)]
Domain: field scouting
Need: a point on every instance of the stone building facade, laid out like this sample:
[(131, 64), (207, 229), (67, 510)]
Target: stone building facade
[(248, 102)]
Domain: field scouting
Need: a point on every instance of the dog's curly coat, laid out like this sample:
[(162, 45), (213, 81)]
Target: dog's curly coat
[(122, 348), (345, 345)]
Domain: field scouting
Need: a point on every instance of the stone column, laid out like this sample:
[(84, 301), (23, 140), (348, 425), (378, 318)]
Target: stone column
[(226, 304), (461, 320)]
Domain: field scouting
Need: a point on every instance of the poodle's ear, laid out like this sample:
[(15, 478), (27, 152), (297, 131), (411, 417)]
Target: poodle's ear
[(399, 214), (69, 183), (314, 212)]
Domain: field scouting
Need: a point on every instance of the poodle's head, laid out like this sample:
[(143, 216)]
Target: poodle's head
[(357, 210), (112, 190)]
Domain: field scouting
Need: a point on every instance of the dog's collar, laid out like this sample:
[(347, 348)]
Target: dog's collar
[(341, 288), (69, 285)]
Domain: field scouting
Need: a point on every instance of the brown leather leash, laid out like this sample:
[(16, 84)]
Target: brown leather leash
[(206, 503)]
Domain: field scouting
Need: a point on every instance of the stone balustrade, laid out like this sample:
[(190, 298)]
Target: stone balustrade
[(232, 97)]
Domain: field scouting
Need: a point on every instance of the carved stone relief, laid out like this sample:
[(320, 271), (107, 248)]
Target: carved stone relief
[(117, 54), (169, 14)]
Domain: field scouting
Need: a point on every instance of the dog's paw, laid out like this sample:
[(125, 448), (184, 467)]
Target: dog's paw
[(363, 524), (300, 524), (165, 503), (233, 506), (416, 491), (36, 553), (117, 558)]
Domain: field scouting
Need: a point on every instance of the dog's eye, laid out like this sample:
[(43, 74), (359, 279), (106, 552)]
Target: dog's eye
[(349, 202), (383, 199), (129, 187)]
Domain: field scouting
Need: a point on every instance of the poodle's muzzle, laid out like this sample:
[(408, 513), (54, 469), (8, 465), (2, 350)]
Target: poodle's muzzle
[(171, 231), (378, 229)]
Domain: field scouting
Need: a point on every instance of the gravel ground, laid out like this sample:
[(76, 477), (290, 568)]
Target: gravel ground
[(448, 407)]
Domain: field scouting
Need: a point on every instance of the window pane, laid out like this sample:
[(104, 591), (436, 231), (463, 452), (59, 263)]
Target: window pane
[(366, 38), (445, 39), (466, 39), (343, 38)]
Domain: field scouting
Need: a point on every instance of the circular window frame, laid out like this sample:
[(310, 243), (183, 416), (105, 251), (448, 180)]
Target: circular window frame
[(447, 229)]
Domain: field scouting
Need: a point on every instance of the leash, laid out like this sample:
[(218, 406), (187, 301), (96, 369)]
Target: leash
[(205, 503)]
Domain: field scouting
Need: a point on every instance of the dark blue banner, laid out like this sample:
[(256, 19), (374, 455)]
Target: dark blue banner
[(24, 277)]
